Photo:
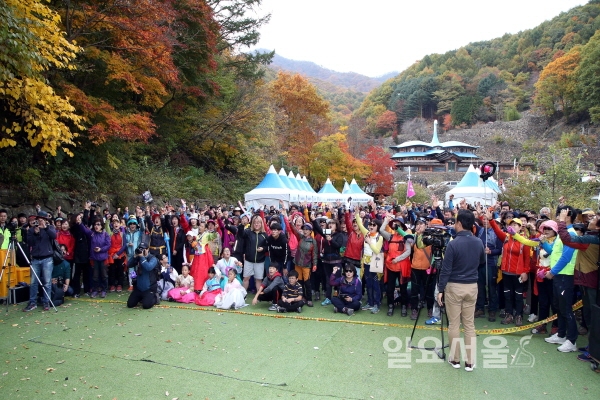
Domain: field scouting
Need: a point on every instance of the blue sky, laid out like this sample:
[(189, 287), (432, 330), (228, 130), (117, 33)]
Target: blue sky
[(379, 36)]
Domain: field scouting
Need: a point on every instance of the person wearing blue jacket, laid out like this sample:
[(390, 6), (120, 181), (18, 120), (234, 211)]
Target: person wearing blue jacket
[(349, 290), (146, 277), (493, 249)]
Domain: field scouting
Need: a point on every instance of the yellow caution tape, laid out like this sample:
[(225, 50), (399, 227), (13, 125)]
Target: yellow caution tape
[(501, 331)]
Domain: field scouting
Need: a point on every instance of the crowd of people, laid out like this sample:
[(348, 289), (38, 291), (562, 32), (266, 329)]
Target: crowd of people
[(536, 263)]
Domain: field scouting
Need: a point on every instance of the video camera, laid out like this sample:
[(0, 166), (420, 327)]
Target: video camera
[(12, 227), (436, 237), (139, 250)]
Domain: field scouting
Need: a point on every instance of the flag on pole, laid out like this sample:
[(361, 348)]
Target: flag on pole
[(410, 191)]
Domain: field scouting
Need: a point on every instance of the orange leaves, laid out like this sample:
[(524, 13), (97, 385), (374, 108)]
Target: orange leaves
[(387, 121), (381, 179), (137, 56), (556, 86), (303, 113), (106, 122)]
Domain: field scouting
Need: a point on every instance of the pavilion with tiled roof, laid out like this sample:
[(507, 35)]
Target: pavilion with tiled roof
[(434, 156)]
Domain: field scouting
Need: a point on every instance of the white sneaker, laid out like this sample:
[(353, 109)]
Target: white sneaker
[(555, 339), (532, 318), (273, 307), (567, 347)]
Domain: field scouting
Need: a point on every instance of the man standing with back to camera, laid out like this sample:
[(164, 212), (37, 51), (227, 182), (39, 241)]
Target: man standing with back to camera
[(458, 287)]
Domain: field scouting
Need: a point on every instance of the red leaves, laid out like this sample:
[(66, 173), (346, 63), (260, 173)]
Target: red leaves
[(382, 166), (108, 122), (137, 55)]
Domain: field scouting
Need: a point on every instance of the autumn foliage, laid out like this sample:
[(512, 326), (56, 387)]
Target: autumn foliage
[(33, 112), (381, 179), (303, 118)]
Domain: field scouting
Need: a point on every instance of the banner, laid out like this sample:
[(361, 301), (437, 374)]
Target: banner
[(410, 191)]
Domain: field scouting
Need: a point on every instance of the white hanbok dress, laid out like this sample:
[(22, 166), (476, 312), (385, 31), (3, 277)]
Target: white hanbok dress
[(233, 295)]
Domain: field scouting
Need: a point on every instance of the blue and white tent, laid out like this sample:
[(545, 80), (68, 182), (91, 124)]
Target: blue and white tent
[(329, 193), (302, 195), (309, 188), (310, 194), (473, 189), (357, 194), (294, 193), (346, 188), (268, 192)]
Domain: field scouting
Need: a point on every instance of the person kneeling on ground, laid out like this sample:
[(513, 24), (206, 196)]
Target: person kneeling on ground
[(349, 290), (61, 274), (270, 288), (291, 299), (146, 277)]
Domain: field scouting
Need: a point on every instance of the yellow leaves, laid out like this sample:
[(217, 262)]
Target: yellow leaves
[(32, 107), (44, 23), (43, 116)]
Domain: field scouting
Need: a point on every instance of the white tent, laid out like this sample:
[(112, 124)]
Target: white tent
[(301, 193), (357, 194), (473, 189), (329, 193), (294, 193), (346, 188), (310, 195), (268, 192), (311, 192)]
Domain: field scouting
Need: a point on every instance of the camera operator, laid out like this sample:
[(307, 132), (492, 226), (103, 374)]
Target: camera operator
[(4, 231), (423, 272), (146, 274), (458, 286), (40, 237)]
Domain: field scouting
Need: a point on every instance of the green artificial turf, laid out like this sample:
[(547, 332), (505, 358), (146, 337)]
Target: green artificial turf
[(101, 349)]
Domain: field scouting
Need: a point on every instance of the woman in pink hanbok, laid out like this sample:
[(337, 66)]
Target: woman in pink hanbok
[(184, 287), (211, 288)]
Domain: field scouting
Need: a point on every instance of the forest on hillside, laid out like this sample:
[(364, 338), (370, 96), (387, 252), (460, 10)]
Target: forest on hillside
[(113, 97), (552, 67)]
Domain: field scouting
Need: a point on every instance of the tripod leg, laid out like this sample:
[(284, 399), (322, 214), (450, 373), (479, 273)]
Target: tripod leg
[(48, 295), (442, 312), (9, 253)]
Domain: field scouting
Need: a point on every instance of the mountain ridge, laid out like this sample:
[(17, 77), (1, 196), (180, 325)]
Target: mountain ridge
[(347, 80)]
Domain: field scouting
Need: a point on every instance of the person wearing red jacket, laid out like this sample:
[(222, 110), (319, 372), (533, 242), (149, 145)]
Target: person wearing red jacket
[(117, 256), (515, 269), (355, 244), (64, 236)]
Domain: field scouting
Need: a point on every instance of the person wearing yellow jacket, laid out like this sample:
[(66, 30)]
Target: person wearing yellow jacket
[(373, 242)]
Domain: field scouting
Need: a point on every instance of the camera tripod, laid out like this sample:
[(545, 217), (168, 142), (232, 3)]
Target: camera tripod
[(436, 266), (11, 253)]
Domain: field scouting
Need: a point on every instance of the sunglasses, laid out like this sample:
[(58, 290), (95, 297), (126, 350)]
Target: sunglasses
[(98, 224), (348, 270), (450, 223)]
